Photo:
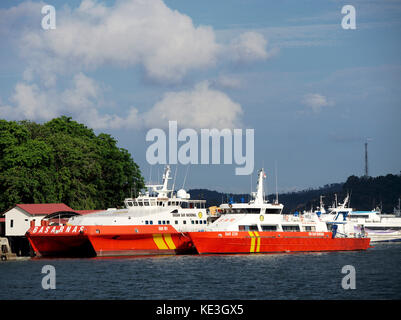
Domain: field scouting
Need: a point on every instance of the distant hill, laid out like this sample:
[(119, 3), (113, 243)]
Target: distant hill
[(366, 194)]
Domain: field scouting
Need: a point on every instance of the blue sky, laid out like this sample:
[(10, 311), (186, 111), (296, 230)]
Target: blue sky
[(312, 91)]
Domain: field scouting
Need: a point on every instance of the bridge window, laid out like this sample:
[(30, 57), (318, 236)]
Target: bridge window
[(252, 227), (273, 211), (291, 228), (268, 228)]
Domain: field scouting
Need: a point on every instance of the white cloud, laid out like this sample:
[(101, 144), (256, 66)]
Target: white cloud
[(228, 81), (316, 101), (145, 33), (29, 103), (248, 47), (163, 41), (82, 101), (201, 107)]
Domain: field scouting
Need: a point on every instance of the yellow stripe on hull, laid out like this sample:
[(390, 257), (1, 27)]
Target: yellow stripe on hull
[(252, 249), (257, 241), (169, 241), (158, 239)]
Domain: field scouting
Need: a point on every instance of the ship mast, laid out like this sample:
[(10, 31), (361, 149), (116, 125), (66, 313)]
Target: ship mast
[(258, 195), (162, 189)]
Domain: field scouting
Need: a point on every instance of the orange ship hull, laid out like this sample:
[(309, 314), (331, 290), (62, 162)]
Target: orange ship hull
[(107, 240), (272, 242)]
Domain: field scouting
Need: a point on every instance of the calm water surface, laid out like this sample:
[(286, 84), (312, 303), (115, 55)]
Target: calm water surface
[(277, 276)]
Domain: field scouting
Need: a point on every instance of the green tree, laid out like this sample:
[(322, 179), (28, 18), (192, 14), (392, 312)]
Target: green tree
[(63, 161)]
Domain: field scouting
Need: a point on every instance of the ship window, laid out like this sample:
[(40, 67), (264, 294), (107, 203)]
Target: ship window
[(268, 228), (310, 228), (146, 203), (291, 228), (359, 216), (168, 222), (159, 222), (140, 203), (197, 222), (130, 203), (151, 221), (382, 228), (273, 211), (164, 222), (184, 222), (252, 227), (192, 221), (135, 204), (174, 211), (246, 210), (146, 222), (11, 223), (176, 222)]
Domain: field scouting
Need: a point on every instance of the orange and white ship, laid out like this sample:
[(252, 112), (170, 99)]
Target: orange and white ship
[(261, 227), (153, 223)]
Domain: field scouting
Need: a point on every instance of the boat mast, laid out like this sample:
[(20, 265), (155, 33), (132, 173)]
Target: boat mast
[(276, 202), (259, 189)]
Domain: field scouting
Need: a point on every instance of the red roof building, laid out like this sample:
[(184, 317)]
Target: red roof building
[(19, 219), (44, 208)]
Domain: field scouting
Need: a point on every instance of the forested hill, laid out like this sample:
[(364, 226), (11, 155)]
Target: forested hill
[(366, 194), (63, 161)]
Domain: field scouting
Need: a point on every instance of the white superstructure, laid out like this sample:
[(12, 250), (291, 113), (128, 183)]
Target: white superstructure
[(379, 227), (260, 215), (157, 206)]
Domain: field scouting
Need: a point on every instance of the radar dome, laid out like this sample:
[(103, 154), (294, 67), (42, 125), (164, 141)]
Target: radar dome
[(182, 194)]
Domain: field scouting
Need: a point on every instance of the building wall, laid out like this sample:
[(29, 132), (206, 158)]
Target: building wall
[(21, 221)]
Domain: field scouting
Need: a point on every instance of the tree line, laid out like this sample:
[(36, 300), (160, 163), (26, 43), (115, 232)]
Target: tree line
[(63, 161), (366, 193)]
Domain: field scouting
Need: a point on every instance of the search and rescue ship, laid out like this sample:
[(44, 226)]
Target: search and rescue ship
[(153, 223), (261, 227)]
